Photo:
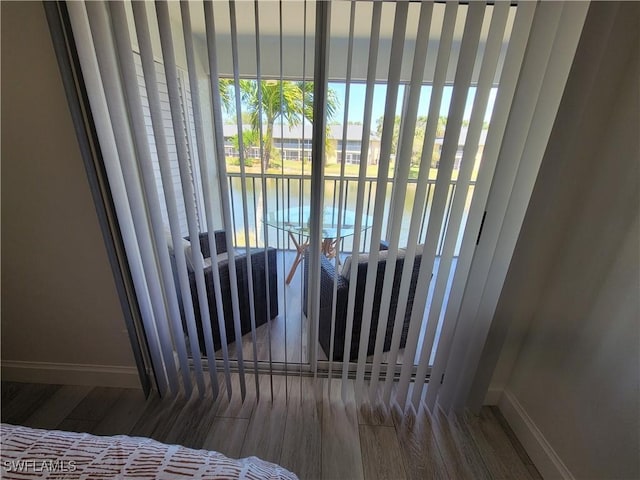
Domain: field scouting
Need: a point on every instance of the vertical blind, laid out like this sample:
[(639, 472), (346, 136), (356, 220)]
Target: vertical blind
[(416, 114)]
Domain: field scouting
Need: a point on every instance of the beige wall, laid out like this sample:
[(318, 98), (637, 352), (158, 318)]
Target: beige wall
[(59, 302), (571, 360)]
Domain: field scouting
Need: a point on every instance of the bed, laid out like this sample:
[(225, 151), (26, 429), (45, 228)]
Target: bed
[(31, 453)]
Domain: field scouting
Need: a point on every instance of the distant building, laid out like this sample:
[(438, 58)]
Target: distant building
[(437, 151), (354, 145), (289, 142)]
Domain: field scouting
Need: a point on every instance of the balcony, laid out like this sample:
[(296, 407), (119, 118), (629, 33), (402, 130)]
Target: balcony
[(288, 333)]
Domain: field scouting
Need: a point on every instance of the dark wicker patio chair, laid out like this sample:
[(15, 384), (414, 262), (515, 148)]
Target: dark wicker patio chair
[(326, 302), (261, 300)]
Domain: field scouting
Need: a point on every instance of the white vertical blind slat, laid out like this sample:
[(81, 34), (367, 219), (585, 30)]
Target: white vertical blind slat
[(417, 214), (504, 100), (265, 196), (397, 46), (157, 118), (302, 180), (207, 188), (403, 163), (97, 99), (284, 234), (362, 173), (130, 80), (399, 146), (345, 124), (245, 213), (212, 57)]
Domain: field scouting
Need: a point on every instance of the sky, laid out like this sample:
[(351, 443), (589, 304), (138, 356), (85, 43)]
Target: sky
[(357, 101)]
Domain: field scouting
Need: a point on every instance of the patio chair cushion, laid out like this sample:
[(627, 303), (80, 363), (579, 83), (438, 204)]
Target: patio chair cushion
[(363, 258), (185, 246), (346, 268)]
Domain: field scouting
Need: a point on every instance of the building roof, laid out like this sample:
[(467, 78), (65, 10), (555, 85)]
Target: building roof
[(354, 132)]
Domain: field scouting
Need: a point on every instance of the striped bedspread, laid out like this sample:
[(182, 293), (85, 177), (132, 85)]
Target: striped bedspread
[(30, 453)]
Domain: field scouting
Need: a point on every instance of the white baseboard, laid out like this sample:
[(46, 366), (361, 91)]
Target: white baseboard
[(70, 374), (542, 454), (493, 396)]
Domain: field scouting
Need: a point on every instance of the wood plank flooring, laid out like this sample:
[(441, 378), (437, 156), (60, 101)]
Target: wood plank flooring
[(302, 428)]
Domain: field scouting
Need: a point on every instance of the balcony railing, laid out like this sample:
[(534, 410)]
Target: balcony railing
[(294, 190)]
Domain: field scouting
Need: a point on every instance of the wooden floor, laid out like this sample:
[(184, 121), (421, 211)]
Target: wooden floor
[(302, 429)]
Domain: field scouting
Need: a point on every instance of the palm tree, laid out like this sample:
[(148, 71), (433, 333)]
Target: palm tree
[(332, 101), (287, 101), (226, 98)]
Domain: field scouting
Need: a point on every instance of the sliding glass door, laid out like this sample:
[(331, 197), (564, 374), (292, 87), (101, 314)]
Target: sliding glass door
[(301, 186), (225, 92)]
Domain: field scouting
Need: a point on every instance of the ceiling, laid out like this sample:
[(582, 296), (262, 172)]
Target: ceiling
[(294, 46)]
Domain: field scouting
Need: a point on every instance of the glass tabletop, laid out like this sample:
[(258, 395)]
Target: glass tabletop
[(296, 221)]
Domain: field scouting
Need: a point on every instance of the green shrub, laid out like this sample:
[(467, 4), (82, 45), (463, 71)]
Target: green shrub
[(275, 155)]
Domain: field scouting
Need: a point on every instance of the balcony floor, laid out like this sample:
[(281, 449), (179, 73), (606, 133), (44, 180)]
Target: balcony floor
[(293, 321)]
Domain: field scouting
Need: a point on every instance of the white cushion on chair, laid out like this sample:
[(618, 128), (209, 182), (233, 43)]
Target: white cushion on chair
[(185, 247), (364, 258), (346, 268)]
